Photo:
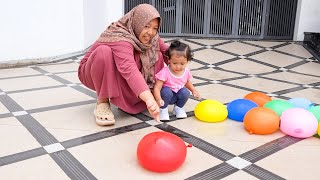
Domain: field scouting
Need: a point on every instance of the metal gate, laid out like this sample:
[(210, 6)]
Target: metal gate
[(254, 19)]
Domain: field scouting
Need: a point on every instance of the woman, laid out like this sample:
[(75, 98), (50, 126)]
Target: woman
[(120, 66)]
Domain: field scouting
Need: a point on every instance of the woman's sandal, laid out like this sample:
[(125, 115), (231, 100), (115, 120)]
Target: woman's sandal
[(104, 115)]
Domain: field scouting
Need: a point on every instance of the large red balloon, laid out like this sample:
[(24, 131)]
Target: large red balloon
[(161, 152)]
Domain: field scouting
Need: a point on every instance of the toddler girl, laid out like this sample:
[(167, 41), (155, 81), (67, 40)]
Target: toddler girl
[(173, 82)]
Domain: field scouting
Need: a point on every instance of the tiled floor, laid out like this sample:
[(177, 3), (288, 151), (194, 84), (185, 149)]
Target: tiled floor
[(47, 128)]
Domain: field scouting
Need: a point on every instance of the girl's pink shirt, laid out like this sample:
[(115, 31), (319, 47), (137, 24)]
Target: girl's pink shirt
[(173, 82)]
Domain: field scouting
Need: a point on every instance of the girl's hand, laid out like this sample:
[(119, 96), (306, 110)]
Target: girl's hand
[(153, 109), (196, 94), (160, 102)]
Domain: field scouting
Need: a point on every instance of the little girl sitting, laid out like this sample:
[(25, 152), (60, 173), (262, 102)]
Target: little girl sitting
[(173, 82)]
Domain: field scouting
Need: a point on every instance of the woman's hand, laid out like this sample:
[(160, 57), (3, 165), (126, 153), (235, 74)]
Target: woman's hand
[(153, 109)]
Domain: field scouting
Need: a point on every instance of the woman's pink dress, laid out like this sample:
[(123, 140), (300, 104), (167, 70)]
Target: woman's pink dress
[(113, 70)]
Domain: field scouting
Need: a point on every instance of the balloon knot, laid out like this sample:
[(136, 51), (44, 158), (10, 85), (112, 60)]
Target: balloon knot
[(189, 145)]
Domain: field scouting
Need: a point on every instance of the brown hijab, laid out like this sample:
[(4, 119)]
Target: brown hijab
[(128, 28)]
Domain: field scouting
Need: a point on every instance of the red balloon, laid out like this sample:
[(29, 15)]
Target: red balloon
[(161, 152)]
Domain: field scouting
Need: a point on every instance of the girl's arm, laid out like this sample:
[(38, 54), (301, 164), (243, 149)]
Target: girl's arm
[(193, 90)]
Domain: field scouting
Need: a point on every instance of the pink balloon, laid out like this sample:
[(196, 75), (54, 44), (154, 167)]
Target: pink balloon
[(298, 122)]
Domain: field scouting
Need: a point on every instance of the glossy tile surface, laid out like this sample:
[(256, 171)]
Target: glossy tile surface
[(47, 127)]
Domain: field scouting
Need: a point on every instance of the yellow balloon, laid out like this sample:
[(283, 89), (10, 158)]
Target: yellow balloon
[(319, 129), (211, 111)]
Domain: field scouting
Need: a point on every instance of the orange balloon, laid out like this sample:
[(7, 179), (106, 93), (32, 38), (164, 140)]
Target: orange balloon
[(261, 120), (258, 97)]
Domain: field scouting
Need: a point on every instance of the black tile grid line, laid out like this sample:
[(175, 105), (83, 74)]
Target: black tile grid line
[(103, 134), (212, 45), (272, 47), (255, 53), (291, 66), (263, 63), (200, 68), (225, 82), (5, 160), (292, 55), (199, 61), (65, 160), (197, 142), (279, 93), (230, 71), (198, 49), (66, 82), (261, 173), (35, 89), (285, 91), (269, 148), (63, 59), (268, 73), (66, 72), (315, 84), (224, 169), (32, 125), (6, 115), (142, 117), (217, 172), (201, 78), (201, 84), (14, 77), (60, 106), (226, 61), (71, 166), (64, 62), (281, 45), (71, 143), (224, 51), (291, 71), (279, 80)]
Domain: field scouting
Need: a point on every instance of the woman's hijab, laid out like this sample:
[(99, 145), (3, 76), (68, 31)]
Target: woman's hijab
[(128, 28)]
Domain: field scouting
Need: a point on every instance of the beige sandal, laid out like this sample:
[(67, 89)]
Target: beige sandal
[(104, 115)]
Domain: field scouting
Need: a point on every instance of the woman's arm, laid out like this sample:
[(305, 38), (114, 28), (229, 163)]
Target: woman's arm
[(152, 105), (156, 92), (123, 54)]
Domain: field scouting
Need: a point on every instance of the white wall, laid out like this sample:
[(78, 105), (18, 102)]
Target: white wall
[(44, 30), (308, 18), (98, 14)]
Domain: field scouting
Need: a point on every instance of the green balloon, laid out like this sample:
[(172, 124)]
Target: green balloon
[(315, 110), (278, 106)]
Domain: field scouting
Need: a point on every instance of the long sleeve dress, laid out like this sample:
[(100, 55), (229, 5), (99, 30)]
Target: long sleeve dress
[(113, 70)]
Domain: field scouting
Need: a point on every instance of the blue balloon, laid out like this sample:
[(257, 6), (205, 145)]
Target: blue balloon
[(238, 108), (301, 103)]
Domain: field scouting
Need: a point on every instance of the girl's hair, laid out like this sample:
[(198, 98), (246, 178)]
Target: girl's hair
[(179, 48)]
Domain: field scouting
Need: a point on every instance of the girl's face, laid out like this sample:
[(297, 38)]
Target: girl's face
[(178, 63), (149, 31)]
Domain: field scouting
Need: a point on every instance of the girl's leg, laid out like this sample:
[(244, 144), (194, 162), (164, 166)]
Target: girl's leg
[(182, 97), (166, 95)]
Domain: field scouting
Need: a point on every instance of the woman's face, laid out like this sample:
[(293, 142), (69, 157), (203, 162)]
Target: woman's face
[(149, 31)]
